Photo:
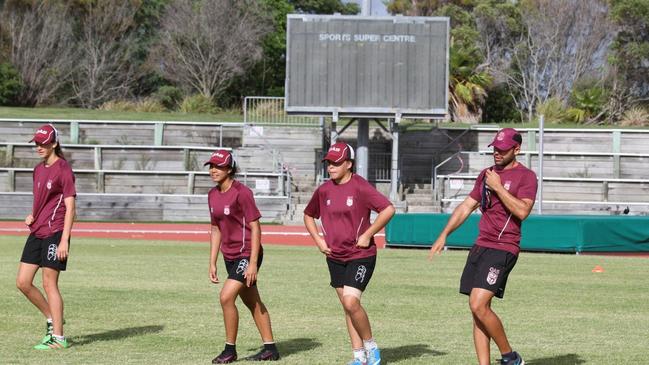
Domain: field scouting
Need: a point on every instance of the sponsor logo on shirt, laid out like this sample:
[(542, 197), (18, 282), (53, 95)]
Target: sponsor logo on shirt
[(51, 252), (242, 267), (493, 275), (226, 210), (350, 201), (360, 273), (507, 184)]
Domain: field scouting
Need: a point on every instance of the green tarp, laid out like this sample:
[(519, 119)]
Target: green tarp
[(559, 233)]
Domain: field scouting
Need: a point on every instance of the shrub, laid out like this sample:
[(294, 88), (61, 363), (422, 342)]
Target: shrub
[(10, 84), (169, 96), (198, 103), (500, 106), (636, 117), (552, 110), (147, 105), (267, 109), (119, 106)]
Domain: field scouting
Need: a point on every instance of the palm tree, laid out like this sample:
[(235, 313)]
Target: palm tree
[(467, 85)]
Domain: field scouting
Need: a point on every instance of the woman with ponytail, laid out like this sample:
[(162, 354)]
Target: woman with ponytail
[(50, 224)]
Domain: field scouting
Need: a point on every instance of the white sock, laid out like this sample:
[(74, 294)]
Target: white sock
[(59, 338), (49, 320), (360, 355), (370, 345)]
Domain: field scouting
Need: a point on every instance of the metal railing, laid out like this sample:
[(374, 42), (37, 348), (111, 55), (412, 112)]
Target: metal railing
[(158, 128), (282, 186), (458, 181), (380, 167), (269, 110)]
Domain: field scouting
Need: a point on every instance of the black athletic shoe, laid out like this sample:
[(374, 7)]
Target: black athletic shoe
[(265, 355), (225, 358), (518, 360)]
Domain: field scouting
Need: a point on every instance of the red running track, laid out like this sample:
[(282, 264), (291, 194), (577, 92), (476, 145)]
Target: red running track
[(195, 232)]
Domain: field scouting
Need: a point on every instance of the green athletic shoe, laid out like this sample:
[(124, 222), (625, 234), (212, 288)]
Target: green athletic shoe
[(52, 344), (49, 330)]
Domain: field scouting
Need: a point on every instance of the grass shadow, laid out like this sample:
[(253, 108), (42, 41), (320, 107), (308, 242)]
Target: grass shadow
[(394, 354), (295, 345), (569, 359), (115, 334)]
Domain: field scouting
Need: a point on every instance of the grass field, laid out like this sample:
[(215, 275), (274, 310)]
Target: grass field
[(144, 302), (91, 114), (235, 115)]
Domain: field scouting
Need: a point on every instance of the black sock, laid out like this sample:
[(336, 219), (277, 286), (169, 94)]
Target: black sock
[(230, 349), (270, 347), (509, 355)]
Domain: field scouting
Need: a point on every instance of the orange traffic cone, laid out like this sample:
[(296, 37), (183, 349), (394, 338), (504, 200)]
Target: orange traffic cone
[(598, 268)]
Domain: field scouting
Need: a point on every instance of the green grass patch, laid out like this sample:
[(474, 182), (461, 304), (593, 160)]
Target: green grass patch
[(148, 302), (88, 114)]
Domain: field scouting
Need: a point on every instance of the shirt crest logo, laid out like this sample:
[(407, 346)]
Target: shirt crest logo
[(350, 201), (493, 275), (49, 184), (507, 184), (328, 202), (226, 210)]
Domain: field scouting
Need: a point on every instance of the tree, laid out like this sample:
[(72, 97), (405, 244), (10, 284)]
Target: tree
[(468, 80), (415, 7), (556, 46), (106, 69), (205, 43), (630, 58), (267, 76), (324, 7), (41, 48)]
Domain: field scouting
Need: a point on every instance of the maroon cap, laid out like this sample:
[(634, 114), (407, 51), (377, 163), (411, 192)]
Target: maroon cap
[(339, 151), (220, 158), (506, 138), (45, 134)]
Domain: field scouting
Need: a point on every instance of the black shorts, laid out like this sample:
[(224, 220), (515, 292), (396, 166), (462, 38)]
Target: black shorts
[(42, 252), (487, 268), (237, 268), (354, 273)]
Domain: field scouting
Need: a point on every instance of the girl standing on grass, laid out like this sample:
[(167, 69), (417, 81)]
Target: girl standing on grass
[(236, 233), (343, 204), (50, 224)]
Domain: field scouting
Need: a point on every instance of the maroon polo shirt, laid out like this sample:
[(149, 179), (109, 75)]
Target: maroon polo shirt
[(232, 212), (52, 184), (499, 228), (344, 210)]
